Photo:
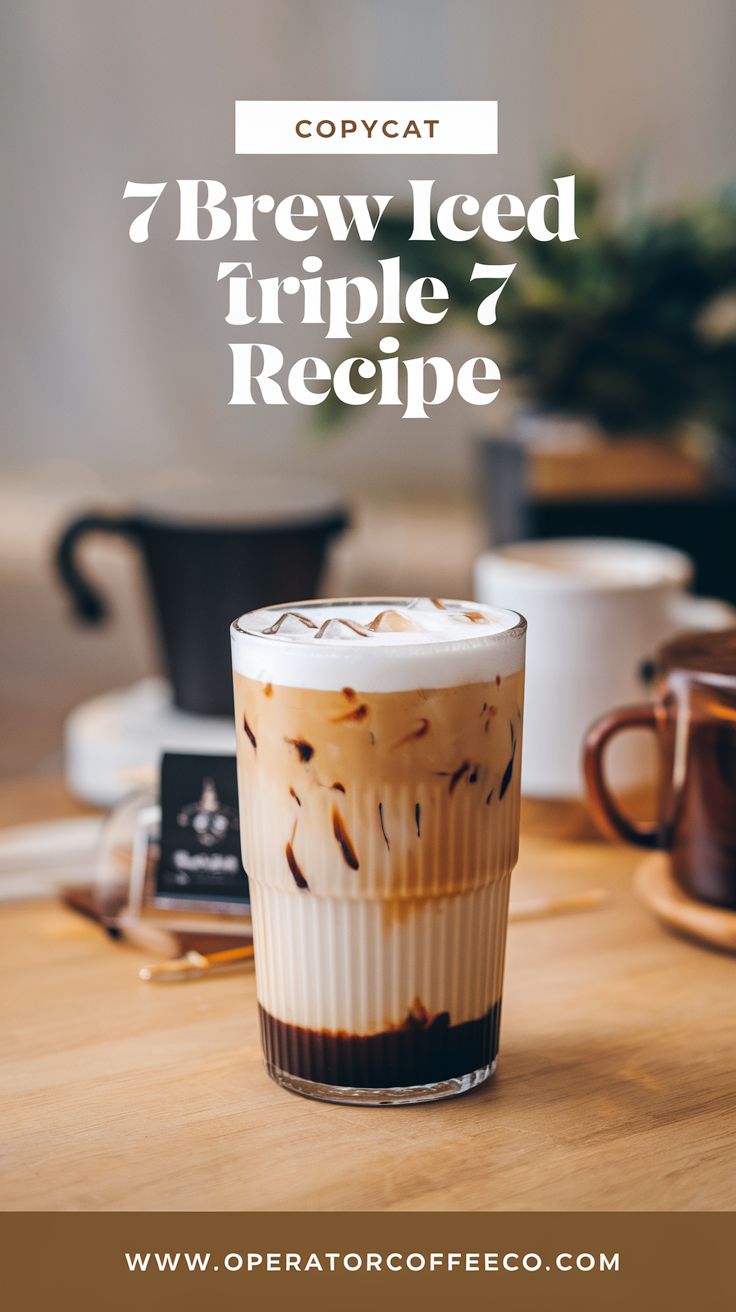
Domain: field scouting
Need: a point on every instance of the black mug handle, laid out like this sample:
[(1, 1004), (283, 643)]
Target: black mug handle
[(88, 603), (336, 524)]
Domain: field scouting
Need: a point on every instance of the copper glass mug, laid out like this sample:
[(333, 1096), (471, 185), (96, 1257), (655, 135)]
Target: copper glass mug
[(694, 719)]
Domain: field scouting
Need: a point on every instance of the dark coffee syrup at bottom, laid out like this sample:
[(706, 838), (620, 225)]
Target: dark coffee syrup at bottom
[(399, 1058)]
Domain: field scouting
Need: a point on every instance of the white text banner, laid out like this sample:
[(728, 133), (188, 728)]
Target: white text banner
[(366, 127)]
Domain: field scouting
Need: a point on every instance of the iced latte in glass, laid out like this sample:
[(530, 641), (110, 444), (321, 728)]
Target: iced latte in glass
[(379, 746)]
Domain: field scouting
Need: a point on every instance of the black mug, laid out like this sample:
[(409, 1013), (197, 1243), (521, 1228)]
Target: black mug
[(201, 576)]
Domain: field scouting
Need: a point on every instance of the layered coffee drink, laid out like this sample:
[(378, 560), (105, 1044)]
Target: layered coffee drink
[(379, 747)]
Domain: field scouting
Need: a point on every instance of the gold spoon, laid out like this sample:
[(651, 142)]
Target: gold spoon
[(193, 965)]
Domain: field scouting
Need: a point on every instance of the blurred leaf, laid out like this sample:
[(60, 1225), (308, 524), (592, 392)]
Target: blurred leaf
[(608, 327)]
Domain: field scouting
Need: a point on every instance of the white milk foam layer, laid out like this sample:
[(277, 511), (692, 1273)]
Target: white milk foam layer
[(382, 645)]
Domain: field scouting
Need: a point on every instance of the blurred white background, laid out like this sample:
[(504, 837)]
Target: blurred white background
[(118, 353), (115, 358)]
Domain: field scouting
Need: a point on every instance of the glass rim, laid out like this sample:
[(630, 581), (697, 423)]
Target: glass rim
[(515, 629)]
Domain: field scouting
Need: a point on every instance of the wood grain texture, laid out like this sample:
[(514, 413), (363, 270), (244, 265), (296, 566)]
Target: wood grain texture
[(616, 1086)]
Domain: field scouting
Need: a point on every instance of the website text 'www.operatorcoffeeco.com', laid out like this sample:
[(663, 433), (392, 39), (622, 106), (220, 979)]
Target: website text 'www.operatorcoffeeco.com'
[(481, 1263)]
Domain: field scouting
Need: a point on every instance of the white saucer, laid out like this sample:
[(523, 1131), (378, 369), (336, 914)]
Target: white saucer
[(111, 738)]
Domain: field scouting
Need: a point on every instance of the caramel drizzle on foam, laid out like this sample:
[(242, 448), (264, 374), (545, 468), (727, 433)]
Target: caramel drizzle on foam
[(386, 621), (390, 621), (289, 614), (475, 616), (324, 629)]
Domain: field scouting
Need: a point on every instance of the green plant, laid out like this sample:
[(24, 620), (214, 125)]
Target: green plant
[(608, 327)]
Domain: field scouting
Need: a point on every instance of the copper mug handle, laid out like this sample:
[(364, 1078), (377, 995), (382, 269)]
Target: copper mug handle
[(643, 833)]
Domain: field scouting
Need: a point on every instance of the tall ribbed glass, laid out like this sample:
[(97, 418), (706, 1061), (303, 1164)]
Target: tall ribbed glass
[(379, 748)]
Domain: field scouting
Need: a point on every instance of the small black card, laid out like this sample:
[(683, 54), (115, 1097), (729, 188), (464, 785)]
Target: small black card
[(200, 861)]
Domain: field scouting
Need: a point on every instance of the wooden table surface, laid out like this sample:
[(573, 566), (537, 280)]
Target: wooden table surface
[(616, 1086)]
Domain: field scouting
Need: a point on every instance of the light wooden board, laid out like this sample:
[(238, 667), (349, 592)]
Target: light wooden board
[(655, 886), (616, 1086)]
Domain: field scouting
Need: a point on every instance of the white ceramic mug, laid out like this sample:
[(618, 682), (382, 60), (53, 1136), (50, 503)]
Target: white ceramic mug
[(597, 609)]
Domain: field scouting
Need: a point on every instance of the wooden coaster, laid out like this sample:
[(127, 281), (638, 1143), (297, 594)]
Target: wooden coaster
[(655, 886)]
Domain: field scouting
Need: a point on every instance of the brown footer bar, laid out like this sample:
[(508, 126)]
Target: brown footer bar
[(406, 1260)]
